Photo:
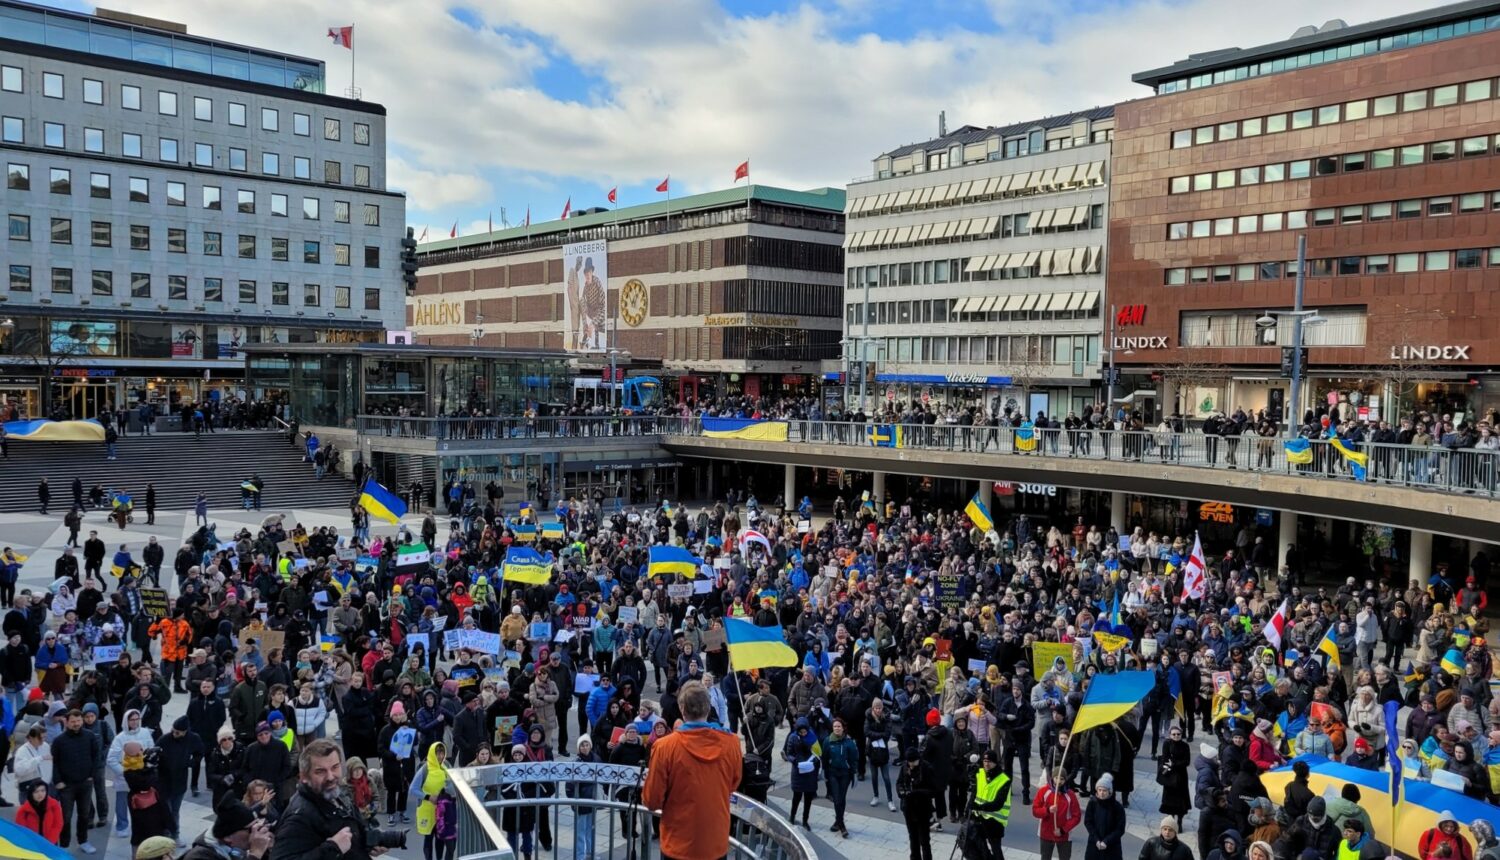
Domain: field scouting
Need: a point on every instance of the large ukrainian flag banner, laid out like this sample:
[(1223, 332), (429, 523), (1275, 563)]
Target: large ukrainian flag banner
[(526, 565), (753, 429), (44, 430), (1110, 697), (1358, 461), (380, 502), (1298, 451), (1026, 437), (752, 647), (979, 513), (672, 561), (23, 844)]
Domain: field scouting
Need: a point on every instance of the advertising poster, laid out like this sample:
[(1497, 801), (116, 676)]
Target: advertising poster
[(84, 338), (585, 296), (231, 338), (185, 342)]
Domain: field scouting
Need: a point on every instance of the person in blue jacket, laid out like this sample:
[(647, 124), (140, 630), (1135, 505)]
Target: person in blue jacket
[(52, 663), (599, 698), (798, 751)]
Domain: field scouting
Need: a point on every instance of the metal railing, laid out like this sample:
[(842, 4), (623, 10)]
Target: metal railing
[(572, 809), (507, 427)]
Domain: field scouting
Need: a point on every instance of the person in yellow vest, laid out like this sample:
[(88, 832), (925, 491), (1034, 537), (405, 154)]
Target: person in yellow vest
[(990, 808), (1359, 845), (284, 567)]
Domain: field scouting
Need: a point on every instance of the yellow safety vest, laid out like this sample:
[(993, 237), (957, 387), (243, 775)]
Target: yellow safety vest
[(1347, 853), (986, 790)]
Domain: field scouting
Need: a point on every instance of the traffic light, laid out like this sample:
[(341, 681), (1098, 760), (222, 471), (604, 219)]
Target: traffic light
[(409, 261)]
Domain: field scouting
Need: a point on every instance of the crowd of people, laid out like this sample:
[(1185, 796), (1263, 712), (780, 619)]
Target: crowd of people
[(956, 656)]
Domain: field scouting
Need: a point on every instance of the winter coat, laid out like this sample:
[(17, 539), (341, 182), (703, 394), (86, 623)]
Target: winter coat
[(544, 696), (796, 749), (1058, 812), (1104, 821), (1173, 778)]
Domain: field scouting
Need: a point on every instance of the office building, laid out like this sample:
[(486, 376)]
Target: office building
[(733, 291), (974, 268), (169, 198), (1380, 143)]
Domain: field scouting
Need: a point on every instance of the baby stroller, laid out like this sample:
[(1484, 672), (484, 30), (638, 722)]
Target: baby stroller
[(120, 509)]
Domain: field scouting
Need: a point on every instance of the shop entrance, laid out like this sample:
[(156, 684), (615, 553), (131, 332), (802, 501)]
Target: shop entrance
[(84, 398)]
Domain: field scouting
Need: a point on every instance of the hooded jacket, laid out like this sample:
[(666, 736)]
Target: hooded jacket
[(695, 762), (1232, 836), (116, 757)]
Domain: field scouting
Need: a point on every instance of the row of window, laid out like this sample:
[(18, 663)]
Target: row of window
[(1023, 353), (54, 86), (1327, 165), (1434, 207), (168, 151), (1065, 220), (1342, 326), (1034, 141), (1369, 264), (1069, 177), (101, 235), (1413, 100), (60, 181), (925, 311), (102, 284)]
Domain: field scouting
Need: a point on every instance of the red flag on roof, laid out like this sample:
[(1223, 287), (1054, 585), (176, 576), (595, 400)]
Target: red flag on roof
[(742, 172), (453, 234), (666, 185), (567, 208), (342, 36), (612, 197)]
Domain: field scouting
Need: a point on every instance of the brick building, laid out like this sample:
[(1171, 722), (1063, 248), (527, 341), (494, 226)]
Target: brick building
[(730, 291), (1380, 143)]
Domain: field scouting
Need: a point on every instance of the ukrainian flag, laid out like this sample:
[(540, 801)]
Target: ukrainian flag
[(553, 531), (526, 565), (1357, 461), (1174, 686), (670, 560), (524, 532), (753, 429), (1453, 663), (46, 430), (380, 502), (752, 647), (1298, 451), (24, 844), (526, 510), (887, 436), (980, 514), (1026, 439), (1330, 648), (1110, 697)]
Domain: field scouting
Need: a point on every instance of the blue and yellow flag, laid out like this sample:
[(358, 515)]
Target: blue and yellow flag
[(45, 430), (1327, 646), (1174, 686), (25, 844), (753, 429), (1453, 663), (524, 532), (887, 436), (1026, 437), (1358, 461), (672, 561), (752, 647), (1110, 697), (1298, 451), (979, 513), (526, 510), (525, 565), (380, 502), (553, 531)]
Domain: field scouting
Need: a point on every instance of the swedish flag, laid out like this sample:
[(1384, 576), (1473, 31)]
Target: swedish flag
[(979, 513), (887, 436)]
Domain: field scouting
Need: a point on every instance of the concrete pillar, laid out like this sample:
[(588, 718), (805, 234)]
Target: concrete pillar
[(789, 493), (877, 492), (1420, 565), (1286, 536), (1117, 512)]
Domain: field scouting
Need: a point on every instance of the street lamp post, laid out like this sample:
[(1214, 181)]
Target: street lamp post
[(1299, 318)]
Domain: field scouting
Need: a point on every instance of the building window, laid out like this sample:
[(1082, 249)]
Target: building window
[(372, 256), (332, 172), (247, 292), (212, 197), (140, 285), (103, 282), (341, 211), (247, 247), (52, 85), (310, 209), (203, 154), (213, 289), (62, 281), (238, 160), (62, 181), (1406, 263), (62, 231), (140, 237), (312, 252), (236, 114), (176, 240), (140, 190), (130, 145), (176, 194), (362, 175), (213, 244), (203, 109), (20, 228), (278, 205), (167, 150), (10, 79), (362, 133), (99, 234), (340, 255), (372, 298), (281, 293), (301, 167), (1438, 261), (1468, 258), (312, 295), (18, 177), (20, 278), (130, 97), (372, 215), (53, 135), (341, 297), (246, 201), (331, 128), (1439, 206), (279, 249), (177, 288), (12, 130), (1471, 203), (99, 185), (270, 119), (270, 163), (93, 139), (166, 103), (301, 124)]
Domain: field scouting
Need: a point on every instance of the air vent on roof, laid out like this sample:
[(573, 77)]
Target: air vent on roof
[(1328, 26), (141, 20)]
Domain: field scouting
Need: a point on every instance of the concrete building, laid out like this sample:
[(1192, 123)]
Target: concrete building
[(974, 267), (170, 197), (1380, 143), (734, 291)]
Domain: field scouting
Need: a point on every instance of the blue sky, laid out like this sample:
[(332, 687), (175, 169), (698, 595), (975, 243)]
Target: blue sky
[(505, 104)]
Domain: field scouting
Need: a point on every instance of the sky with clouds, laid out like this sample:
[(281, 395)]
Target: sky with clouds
[(510, 104)]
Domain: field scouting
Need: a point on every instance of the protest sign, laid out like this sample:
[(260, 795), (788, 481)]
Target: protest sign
[(504, 726), (419, 640), (512, 660), (438, 623), (563, 636), (346, 554), (721, 563), (585, 684), (286, 547), (453, 640), (804, 526), (942, 649), (480, 641), (1044, 653), (541, 631), (714, 639), (680, 589), (154, 602), (977, 667), (703, 586), (629, 614), (946, 590), (107, 653)]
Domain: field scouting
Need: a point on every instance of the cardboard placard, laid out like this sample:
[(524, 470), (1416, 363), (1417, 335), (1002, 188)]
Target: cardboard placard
[(1148, 647), (286, 547), (504, 727), (266, 640), (942, 649), (512, 660), (1044, 653), (541, 631), (453, 640), (154, 602), (107, 653), (680, 589), (714, 639), (804, 526), (703, 586), (439, 623), (629, 614), (977, 667), (346, 554), (424, 640)]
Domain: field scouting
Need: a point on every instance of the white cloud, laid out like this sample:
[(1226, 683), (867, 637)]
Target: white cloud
[(691, 90)]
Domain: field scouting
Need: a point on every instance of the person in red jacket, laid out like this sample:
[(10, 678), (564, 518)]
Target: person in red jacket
[(41, 813), (1429, 847), (1263, 747), (1056, 807)]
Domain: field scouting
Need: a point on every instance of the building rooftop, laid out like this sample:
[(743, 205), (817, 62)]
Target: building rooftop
[(973, 134), (1334, 40), (824, 199), (391, 350)]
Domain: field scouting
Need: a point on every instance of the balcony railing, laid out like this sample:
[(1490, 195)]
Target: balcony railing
[(591, 810), (507, 427)]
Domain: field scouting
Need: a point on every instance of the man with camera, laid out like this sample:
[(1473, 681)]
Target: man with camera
[(318, 823), (236, 832)]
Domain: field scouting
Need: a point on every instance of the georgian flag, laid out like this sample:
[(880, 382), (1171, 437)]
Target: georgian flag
[(750, 536), (1194, 584), (1277, 625)]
